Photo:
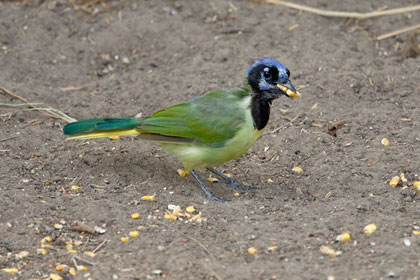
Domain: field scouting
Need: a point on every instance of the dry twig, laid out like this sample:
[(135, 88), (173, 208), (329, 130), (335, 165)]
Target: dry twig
[(49, 111), (397, 32), (344, 14)]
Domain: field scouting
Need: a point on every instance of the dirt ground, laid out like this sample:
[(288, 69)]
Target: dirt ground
[(130, 57)]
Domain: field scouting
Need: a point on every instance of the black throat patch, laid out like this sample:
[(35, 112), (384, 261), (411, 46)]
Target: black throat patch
[(260, 111)]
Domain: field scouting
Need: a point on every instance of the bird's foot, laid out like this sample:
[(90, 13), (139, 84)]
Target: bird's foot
[(210, 195), (238, 186), (231, 183)]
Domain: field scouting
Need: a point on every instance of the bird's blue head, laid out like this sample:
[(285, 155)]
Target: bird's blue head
[(270, 78)]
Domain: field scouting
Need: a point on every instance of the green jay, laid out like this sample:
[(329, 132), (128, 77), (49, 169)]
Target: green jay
[(208, 130)]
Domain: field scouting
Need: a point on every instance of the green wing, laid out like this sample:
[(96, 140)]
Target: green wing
[(211, 119)]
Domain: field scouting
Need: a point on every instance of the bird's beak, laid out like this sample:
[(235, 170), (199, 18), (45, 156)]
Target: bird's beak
[(288, 89)]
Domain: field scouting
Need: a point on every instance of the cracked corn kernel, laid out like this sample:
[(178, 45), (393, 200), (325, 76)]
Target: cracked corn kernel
[(416, 185), (124, 239), (41, 251), (55, 277), (369, 229), (90, 253), (22, 255), (60, 267), (169, 216), (135, 216), (75, 188), (133, 234), (148, 197), (394, 181), (345, 236), (58, 226), (10, 270), (403, 179), (72, 271), (252, 250), (329, 251), (116, 137), (269, 181), (297, 169), (182, 173), (82, 268), (385, 142), (196, 217), (212, 180), (235, 194), (46, 239), (190, 209)]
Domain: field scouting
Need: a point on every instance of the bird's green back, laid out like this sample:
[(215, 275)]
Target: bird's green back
[(209, 120)]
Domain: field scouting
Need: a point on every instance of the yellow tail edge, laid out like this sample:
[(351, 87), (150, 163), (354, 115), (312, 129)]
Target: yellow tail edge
[(106, 133)]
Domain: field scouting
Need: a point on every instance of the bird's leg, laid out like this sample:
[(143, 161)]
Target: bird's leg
[(231, 182), (208, 193)]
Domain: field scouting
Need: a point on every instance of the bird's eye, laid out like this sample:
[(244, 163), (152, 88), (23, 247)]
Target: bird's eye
[(267, 74), (288, 72)]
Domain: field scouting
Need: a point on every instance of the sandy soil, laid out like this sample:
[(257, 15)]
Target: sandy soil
[(132, 57)]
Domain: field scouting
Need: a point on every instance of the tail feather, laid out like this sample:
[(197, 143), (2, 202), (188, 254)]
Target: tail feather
[(101, 127)]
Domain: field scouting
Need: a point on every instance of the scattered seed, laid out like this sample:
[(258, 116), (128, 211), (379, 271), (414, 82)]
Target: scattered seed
[(157, 272), (271, 248), (75, 188), (72, 271), (170, 216), (235, 194), (116, 137), (329, 251), (252, 250), (385, 142), (55, 277), (196, 218), (133, 234), (10, 270), (148, 197), (82, 268), (213, 180), (416, 185), (46, 239), (90, 253), (135, 216), (403, 179), (60, 267), (99, 230), (182, 173), (190, 209), (269, 181), (58, 226), (297, 169), (369, 229), (124, 239), (407, 242), (41, 251), (416, 232), (394, 181), (345, 236), (22, 255), (172, 207)]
